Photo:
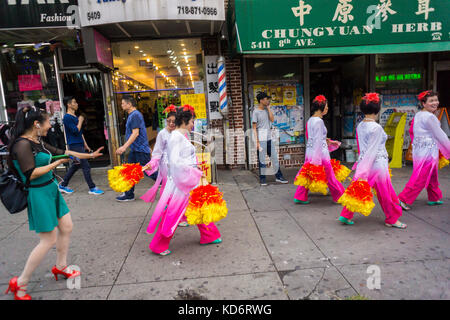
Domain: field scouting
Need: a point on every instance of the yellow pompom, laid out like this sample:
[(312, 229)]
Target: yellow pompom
[(301, 181), (443, 162), (319, 187), (214, 212), (342, 173), (194, 216), (355, 205), (312, 186), (208, 213), (116, 181)]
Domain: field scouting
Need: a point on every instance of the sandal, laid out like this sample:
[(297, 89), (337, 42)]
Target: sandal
[(404, 206), (217, 241), (400, 225), (300, 201), (345, 220)]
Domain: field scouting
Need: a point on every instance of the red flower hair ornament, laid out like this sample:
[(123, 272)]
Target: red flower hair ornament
[(320, 99), (423, 95), (372, 97), (169, 109), (190, 108)]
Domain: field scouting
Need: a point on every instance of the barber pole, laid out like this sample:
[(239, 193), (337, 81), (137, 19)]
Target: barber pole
[(222, 85)]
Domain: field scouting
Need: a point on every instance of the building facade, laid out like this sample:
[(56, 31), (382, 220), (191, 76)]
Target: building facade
[(295, 50)]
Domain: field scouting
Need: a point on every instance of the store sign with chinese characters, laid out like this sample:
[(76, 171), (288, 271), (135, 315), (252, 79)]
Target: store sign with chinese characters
[(197, 101), (103, 12), (212, 86), (309, 24)]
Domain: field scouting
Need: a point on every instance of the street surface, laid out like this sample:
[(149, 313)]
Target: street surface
[(271, 249)]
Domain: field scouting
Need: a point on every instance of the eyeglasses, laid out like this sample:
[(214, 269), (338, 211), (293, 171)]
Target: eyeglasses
[(170, 121)]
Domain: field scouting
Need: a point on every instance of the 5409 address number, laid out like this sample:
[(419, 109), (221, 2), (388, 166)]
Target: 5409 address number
[(93, 15)]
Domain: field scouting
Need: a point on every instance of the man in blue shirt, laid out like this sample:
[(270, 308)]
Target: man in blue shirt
[(136, 140), (76, 142)]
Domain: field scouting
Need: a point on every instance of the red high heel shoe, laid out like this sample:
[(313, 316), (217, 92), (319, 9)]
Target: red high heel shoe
[(14, 288), (73, 274)]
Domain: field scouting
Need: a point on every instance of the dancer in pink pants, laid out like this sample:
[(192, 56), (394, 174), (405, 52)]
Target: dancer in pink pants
[(318, 150), (428, 139), (183, 176), (372, 163)]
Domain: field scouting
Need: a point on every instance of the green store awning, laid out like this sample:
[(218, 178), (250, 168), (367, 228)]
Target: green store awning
[(338, 26)]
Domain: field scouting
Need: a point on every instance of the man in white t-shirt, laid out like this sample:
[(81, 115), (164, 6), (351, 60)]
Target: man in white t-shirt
[(262, 119)]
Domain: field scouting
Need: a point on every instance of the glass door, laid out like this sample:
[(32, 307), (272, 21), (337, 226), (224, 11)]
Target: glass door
[(87, 88)]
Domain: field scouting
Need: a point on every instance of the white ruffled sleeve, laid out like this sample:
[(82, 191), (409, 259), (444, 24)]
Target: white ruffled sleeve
[(157, 153), (185, 174), (434, 126), (367, 157), (316, 135)]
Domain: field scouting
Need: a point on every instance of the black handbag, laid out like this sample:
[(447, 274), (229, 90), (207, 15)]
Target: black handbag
[(13, 192)]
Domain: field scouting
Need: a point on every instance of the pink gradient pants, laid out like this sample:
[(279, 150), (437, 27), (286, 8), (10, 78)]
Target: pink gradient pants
[(160, 243), (426, 177), (386, 197), (336, 188)]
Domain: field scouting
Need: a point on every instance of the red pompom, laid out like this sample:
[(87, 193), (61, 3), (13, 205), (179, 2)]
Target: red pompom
[(132, 172), (336, 164), (360, 190), (372, 97), (202, 194)]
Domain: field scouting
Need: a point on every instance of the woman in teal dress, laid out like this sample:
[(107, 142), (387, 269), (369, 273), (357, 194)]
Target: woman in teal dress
[(48, 214)]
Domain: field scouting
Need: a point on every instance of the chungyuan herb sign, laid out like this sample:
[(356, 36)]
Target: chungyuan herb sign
[(267, 25)]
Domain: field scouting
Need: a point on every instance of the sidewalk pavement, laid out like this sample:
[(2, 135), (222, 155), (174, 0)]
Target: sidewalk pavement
[(271, 249)]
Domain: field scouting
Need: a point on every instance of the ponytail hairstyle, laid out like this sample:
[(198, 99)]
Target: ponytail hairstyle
[(24, 121), (423, 97), (370, 103), (318, 103), (184, 115)]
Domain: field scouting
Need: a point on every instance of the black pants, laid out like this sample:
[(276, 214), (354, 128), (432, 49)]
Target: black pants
[(77, 164)]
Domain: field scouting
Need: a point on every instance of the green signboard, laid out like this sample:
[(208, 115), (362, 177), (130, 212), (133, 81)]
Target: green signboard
[(341, 26)]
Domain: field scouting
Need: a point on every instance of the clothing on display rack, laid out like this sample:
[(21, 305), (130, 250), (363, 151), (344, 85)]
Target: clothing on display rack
[(55, 136)]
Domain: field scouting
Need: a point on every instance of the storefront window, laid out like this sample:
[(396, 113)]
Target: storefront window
[(281, 79), (156, 73), (400, 73), (343, 80), (399, 78), (275, 69), (29, 79)]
